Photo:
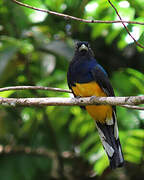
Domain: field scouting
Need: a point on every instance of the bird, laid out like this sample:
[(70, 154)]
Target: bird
[(87, 78)]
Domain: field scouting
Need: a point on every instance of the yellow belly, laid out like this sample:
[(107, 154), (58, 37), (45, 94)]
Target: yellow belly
[(97, 112)]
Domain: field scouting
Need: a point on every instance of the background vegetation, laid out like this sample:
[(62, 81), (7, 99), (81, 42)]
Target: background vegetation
[(35, 49)]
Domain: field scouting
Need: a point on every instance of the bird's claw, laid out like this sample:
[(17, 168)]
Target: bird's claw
[(92, 97), (78, 97)]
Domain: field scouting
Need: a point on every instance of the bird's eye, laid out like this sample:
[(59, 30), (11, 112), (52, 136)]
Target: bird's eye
[(79, 44)]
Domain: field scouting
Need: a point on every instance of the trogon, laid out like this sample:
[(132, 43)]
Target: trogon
[(88, 78)]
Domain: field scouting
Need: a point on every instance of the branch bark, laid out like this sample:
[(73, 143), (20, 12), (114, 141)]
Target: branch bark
[(57, 101)]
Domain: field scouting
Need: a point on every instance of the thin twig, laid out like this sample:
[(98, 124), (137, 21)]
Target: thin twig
[(123, 23), (34, 88), (133, 107), (73, 17)]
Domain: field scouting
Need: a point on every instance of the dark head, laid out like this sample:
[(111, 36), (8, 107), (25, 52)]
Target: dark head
[(83, 48)]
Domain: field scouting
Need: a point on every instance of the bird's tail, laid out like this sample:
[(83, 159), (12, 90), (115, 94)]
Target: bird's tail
[(108, 133)]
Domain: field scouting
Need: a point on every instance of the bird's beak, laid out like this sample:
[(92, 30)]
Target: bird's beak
[(83, 47)]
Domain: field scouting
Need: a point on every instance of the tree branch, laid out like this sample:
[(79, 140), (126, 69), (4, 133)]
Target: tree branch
[(8, 149), (41, 151), (73, 17), (123, 23), (57, 101), (120, 101)]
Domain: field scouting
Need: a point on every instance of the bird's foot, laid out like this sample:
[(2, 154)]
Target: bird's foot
[(92, 98), (78, 97)]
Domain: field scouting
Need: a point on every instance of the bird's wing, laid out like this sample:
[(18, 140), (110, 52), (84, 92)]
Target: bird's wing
[(108, 131), (101, 78)]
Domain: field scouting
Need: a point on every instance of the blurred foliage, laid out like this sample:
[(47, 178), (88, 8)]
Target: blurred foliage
[(35, 49)]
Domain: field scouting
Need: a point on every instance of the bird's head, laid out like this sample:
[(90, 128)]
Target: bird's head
[(83, 48)]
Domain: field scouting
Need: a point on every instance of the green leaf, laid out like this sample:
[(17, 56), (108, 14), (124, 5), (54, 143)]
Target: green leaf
[(6, 94), (90, 140), (101, 165)]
